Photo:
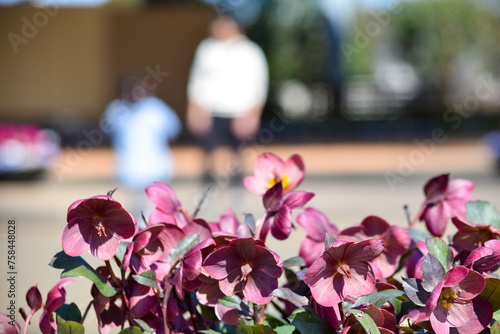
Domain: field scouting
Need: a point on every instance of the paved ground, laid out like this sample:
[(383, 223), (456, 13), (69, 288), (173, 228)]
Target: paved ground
[(351, 181)]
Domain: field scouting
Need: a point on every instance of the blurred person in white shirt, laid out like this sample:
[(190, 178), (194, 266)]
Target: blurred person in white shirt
[(227, 90)]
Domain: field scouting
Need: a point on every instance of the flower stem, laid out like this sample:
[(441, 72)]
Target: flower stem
[(113, 277), (258, 314), (86, 311), (28, 320)]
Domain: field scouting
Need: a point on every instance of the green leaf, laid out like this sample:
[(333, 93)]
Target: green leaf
[(131, 330), (236, 303), (291, 296), (379, 298), (122, 249), (495, 328), (243, 328), (365, 320), (418, 235), (69, 327), (491, 292), (308, 322), (78, 267), (147, 278), (145, 327), (440, 250), (432, 272), (288, 329), (295, 261), (250, 222), (415, 291), (482, 213), (329, 240), (183, 247), (69, 312), (209, 331)]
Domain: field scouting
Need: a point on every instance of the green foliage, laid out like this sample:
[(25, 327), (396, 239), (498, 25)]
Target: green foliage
[(482, 213), (183, 247), (491, 292), (69, 312), (243, 328), (69, 327), (78, 267), (147, 278), (441, 251), (307, 321), (366, 321)]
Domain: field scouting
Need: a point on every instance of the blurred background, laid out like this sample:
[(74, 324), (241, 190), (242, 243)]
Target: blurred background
[(376, 95)]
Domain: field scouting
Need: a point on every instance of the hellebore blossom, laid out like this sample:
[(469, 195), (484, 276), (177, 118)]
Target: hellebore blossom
[(245, 265), (167, 209), (316, 225), (270, 169), (451, 302), (8, 326), (343, 270), (97, 224), (470, 235), (278, 216), (228, 224), (397, 241), (55, 299), (445, 198), (486, 258)]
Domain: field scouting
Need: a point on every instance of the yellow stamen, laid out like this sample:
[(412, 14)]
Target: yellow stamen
[(274, 180)]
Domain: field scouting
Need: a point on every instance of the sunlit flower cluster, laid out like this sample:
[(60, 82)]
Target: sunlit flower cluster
[(183, 274)]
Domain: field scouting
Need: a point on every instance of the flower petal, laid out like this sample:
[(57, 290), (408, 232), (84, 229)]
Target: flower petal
[(365, 250), (361, 280), (258, 287), (72, 241)]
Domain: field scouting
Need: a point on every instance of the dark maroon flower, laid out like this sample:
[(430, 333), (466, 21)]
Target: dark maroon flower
[(278, 216), (470, 235), (485, 259), (152, 244), (316, 225), (245, 265), (343, 270), (396, 239), (97, 224), (445, 198)]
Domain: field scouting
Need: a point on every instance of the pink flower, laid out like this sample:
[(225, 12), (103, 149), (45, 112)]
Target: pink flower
[(245, 265), (486, 258), (397, 241), (450, 303), (8, 326), (343, 270), (55, 299), (96, 224), (278, 217), (168, 209), (151, 245), (470, 236), (445, 198), (270, 169), (316, 225), (228, 224)]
